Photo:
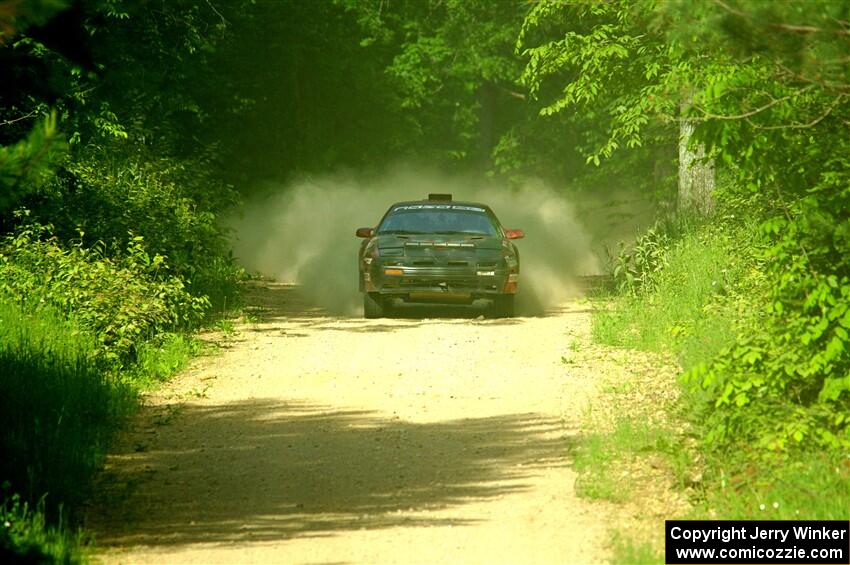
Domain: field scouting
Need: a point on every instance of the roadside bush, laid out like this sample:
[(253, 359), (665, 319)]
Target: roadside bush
[(785, 382), (122, 301), (680, 300), (110, 195), (636, 268)]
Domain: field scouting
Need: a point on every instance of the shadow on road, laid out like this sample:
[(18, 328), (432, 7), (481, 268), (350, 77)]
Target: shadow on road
[(271, 470)]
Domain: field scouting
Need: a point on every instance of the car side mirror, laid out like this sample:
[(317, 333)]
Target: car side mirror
[(365, 232), (514, 234)]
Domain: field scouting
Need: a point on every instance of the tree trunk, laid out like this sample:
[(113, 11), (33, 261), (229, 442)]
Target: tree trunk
[(696, 176)]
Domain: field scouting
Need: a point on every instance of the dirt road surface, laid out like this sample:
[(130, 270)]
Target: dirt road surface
[(319, 439)]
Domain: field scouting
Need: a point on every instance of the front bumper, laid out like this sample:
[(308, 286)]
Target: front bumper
[(435, 284)]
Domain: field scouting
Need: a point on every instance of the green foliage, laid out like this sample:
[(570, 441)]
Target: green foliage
[(634, 552), (600, 456), (777, 119), (754, 466), (805, 485), (141, 161), (122, 300), (70, 318), (766, 86), (169, 113), (636, 268), (57, 408), (28, 165), (682, 303), (160, 358), (452, 70), (114, 197), (612, 63), (143, 157), (793, 376), (603, 81), (94, 307), (26, 536), (16, 16)]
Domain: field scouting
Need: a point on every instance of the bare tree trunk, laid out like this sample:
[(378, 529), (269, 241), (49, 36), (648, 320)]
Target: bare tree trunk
[(696, 176)]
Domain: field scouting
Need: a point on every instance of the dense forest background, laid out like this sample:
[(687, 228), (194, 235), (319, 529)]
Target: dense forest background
[(129, 127)]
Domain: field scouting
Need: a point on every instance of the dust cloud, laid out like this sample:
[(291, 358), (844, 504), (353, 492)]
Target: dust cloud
[(303, 232)]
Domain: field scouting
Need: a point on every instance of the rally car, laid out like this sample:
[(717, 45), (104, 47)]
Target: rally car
[(438, 251)]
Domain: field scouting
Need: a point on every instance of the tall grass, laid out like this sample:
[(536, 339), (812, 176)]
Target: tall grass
[(677, 314), (57, 409), (26, 536), (160, 358), (806, 485), (57, 413)]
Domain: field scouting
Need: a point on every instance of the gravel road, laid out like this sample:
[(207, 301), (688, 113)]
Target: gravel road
[(317, 439)]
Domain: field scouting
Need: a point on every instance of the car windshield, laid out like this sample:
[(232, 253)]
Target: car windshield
[(445, 219)]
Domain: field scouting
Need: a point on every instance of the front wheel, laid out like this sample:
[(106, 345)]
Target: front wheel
[(373, 305), (503, 306)]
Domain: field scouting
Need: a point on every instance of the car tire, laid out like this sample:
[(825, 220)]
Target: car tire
[(503, 306), (373, 305)]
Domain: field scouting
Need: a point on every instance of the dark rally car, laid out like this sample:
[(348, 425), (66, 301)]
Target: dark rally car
[(438, 251)]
